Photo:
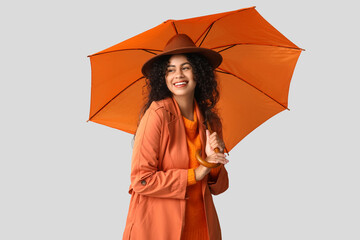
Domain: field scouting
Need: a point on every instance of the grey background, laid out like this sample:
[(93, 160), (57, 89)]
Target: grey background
[(295, 177)]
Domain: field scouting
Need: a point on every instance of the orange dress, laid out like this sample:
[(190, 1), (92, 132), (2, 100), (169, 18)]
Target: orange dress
[(195, 221)]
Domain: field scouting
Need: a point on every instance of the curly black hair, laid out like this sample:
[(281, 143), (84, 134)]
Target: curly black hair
[(206, 90)]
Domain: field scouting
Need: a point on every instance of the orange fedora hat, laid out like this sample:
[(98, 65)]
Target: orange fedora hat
[(179, 44)]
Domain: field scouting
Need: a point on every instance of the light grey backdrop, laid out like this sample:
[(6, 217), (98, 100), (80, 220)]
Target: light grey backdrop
[(295, 177)]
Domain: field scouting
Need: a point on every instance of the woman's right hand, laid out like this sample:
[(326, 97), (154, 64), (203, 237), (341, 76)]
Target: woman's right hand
[(201, 171)]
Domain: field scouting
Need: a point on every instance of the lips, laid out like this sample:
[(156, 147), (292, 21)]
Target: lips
[(180, 84)]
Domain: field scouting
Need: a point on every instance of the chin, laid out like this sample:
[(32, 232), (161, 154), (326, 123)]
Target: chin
[(182, 94)]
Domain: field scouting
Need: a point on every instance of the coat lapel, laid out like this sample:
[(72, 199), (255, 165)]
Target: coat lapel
[(177, 136)]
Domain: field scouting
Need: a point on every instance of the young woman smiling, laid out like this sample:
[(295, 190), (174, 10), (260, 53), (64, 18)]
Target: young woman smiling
[(172, 192)]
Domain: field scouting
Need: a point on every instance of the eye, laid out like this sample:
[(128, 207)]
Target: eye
[(186, 68), (169, 70)]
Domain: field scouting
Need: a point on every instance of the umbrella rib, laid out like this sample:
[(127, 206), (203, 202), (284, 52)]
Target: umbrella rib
[(173, 24), (207, 32), (115, 97), (227, 48), (226, 72), (210, 26), (149, 51), (257, 44), (129, 49)]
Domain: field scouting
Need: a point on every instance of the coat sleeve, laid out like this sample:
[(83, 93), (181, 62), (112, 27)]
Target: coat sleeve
[(146, 178), (219, 183)]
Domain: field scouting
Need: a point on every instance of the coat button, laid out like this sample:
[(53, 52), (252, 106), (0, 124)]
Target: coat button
[(143, 182)]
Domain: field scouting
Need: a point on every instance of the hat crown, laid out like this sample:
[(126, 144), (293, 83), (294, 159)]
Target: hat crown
[(179, 41), (182, 44)]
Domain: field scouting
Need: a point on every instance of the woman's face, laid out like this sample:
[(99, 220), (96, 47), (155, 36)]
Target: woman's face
[(179, 76)]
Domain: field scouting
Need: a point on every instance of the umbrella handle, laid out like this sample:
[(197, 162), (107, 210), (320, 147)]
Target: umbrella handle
[(201, 160), (205, 163)]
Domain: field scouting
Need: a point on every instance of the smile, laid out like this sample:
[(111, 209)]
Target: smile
[(180, 84)]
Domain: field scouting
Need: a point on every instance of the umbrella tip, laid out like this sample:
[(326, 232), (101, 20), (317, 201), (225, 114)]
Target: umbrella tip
[(169, 20)]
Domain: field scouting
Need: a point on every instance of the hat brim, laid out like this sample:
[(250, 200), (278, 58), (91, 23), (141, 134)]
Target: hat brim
[(214, 58)]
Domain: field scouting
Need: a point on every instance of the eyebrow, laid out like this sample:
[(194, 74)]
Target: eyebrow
[(180, 65)]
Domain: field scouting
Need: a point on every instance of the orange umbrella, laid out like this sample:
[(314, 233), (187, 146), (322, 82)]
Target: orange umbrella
[(254, 77)]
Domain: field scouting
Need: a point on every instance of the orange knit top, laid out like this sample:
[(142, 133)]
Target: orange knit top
[(195, 220)]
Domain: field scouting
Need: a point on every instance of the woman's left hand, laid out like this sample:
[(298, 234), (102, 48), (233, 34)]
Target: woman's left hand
[(213, 141)]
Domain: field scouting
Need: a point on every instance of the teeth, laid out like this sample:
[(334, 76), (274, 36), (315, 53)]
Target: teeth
[(180, 83)]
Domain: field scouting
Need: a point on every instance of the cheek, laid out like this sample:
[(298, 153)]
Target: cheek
[(193, 80), (194, 86), (168, 81)]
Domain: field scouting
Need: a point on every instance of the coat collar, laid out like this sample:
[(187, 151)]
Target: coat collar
[(172, 107)]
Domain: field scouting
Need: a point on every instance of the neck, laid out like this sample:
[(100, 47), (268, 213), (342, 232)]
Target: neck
[(186, 105)]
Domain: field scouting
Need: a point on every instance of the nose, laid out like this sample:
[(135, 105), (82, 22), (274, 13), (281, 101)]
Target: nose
[(179, 73)]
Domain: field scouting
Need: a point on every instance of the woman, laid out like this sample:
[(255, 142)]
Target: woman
[(171, 193)]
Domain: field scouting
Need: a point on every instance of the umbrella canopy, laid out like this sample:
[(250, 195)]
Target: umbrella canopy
[(254, 77)]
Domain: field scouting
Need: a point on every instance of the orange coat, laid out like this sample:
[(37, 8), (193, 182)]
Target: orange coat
[(159, 171)]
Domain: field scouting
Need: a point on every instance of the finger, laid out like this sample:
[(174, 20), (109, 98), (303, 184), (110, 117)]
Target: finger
[(220, 155), (217, 157), (218, 140), (213, 134), (219, 160), (207, 134), (221, 147), (215, 142), (207, 138), (223, 160), (216, 145), (212, 142)]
